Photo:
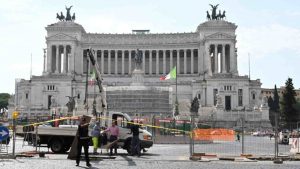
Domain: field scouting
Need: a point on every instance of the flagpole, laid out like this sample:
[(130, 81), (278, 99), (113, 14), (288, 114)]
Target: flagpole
[(176, 83), (176, 113)]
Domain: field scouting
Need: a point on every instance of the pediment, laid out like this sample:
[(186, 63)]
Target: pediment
[(61, 36), (219, 35)]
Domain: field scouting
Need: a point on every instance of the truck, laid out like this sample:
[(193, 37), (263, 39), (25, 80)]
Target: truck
[(60, 138)]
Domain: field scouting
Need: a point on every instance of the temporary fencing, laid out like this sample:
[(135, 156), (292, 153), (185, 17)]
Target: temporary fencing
[(207, 137), (246, 139)]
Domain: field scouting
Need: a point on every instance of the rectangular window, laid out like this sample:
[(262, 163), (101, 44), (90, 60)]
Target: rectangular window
[(227, 88), (49, 101), (26, 95), (240, 97), (199, 96), (50, 87)]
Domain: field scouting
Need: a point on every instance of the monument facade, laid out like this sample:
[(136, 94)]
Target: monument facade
[(206, 62)]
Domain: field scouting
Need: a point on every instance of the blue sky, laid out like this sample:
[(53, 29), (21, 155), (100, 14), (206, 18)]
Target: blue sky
[(269, 31)]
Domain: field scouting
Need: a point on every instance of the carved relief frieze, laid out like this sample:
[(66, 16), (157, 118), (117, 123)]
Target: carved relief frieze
[(220, 36), (141, 39), (61, 36)]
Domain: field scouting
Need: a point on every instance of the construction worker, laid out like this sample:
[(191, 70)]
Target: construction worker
[(96, 136), (114, 134), (83, 141)]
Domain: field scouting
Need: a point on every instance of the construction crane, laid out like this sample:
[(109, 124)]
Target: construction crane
[(99, 80)]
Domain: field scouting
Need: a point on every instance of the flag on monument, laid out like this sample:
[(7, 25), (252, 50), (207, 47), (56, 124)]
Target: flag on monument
[(171, 75), (93, 78)]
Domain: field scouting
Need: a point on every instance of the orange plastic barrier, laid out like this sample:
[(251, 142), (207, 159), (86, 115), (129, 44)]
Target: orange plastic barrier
[(214, 134)]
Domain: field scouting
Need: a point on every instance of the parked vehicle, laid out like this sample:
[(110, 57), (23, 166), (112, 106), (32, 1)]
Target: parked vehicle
[(284, 137), (59, 139)]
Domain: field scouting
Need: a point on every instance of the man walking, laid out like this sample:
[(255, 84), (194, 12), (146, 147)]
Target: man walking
[(114, 133), (135, 141), (83, 141)]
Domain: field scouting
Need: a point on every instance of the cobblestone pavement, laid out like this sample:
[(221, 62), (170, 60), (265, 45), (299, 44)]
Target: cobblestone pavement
[(160, 156)]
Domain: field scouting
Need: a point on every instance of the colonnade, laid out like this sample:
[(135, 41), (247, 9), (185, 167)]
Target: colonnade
[(222, 58), (59, 58), (153, 61)]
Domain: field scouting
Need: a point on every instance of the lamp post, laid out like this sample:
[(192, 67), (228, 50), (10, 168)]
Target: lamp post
[(72, 92)]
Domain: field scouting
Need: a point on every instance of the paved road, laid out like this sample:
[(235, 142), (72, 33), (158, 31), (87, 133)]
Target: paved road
[(161, 156)]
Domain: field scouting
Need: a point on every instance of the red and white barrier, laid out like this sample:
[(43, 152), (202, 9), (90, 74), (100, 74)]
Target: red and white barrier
[(295, 145)]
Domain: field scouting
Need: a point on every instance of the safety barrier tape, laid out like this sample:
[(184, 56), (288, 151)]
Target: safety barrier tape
[(106, 118)]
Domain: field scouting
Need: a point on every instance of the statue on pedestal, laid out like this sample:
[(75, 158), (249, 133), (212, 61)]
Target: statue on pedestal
[(71, 103), (138, 60), (53, 102), (219, 101)]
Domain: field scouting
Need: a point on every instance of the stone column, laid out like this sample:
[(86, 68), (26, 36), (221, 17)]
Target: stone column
[(144, 60), (49, 58), (164, 61), (109, 61), (116, 62), (231, 66), (171, 60), (72, 59), (150, 62), (208, 60), (178, 62), (65, 59), (201, 59), (223, 59), (216, 59), (44, 61), (102, 61), (157, 62), (192, 61), (123, 55), (184, 61), (232, 62), (69, 60), (57, 58), (129, 61)]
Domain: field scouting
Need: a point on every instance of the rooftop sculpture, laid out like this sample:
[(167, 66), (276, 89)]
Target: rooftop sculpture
[(214, 15), (68, 17)]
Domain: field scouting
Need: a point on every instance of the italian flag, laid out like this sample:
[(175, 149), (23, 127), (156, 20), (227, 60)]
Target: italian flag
[(171, 75), (92, 78)]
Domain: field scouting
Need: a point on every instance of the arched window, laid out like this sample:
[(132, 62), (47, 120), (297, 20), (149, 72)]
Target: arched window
[(253, 95)]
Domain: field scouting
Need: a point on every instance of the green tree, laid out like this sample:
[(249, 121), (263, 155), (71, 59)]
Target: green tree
[(271, 111), (4, 100), (288, 101), (297, 106), (274, 106)]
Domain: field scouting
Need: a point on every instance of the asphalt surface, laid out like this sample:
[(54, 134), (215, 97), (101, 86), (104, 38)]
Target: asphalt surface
[(160, 156)]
